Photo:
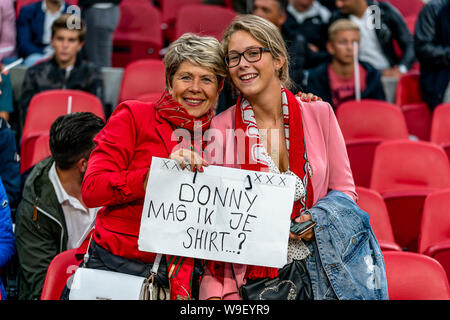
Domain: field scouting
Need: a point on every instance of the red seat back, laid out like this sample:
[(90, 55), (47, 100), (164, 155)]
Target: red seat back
[(404, 173), (371, 119), (364, 125), (169, 10), (60, 269), (360, 154), (150, 97), (401, 165), (138, 35), (411, 23), (34, 148), (142, 77), (407, 7), (435, 226), (371, 202), (408, 96), (412, 276), (204, 20), (434, 237), (46, 106), (440, 125)]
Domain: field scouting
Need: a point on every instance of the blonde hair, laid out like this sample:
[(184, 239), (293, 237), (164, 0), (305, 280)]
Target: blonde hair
[(267, 34), (204, 52), (341, 25)]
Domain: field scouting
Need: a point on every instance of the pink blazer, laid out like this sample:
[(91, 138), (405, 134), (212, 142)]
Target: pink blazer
[(327, 155)]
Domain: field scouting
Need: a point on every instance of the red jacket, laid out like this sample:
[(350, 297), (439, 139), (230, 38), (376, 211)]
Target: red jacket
[(115, 180), (116, 171)]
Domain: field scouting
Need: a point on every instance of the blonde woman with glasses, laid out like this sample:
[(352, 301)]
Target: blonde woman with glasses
[(292, 137)]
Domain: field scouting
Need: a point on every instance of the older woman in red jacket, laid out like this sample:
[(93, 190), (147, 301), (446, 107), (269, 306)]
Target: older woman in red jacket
[(118, 167)]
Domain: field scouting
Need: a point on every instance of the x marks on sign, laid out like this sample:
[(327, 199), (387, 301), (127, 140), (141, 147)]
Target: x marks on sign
[(168, 165), (259, 177), (269, 179)]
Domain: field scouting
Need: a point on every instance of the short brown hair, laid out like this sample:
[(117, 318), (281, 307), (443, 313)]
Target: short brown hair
[(63, 23)]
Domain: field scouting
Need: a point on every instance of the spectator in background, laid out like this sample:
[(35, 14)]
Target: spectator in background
[(66, 69), (7, 30), (7, 249), (329, 4), (240, 6), (310, 19), (334, 81), (6, 97), (34, 29), (102, 18), (52, 216), (380, 25), (9, 163), (432, 45), (300, 54)]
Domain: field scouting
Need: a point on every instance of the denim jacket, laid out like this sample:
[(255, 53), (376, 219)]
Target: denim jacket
[(346, 261)]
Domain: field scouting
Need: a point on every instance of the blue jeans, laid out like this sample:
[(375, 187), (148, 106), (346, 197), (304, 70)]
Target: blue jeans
[(33, 58)]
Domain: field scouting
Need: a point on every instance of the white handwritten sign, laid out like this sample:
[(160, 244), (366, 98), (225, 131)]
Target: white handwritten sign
[(226, 214)]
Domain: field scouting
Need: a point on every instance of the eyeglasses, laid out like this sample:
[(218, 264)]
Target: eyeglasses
[(233, 59)]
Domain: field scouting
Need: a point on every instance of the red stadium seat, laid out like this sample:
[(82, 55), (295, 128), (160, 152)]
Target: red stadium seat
[(42, 111), (434, 237), (22, 3), (404, 173), (413, 276), (407, 7), (409, 97), (46, 106), (142, 77), (371, 202), (34, 148), (150, 97), (364, 125), (205, 20), (169, 10), (440, 127), (411, 23), (138, 35), (59, 270)]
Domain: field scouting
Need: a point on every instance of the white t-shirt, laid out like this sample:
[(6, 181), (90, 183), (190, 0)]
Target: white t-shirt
[(370, 50), (48, 21), (316, 10), (78, 218)]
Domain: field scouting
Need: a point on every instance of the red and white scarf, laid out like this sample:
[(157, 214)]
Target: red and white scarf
[(177, 116), (174, 113), (254, 151)]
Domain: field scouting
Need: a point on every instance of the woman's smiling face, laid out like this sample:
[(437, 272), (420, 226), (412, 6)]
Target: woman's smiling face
[(252, 78), (195, 88)]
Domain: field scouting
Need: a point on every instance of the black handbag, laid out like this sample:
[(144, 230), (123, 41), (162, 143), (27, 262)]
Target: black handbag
[(292, 283)]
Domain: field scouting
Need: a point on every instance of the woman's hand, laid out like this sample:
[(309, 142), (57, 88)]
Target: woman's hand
[(191, 157), (308, 235), (185, 157), (308, 97)]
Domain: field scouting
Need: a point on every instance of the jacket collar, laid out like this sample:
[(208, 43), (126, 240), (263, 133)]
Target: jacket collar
[(39, 190)]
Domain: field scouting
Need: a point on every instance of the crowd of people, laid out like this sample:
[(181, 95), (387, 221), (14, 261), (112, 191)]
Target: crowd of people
[(97, 174)]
